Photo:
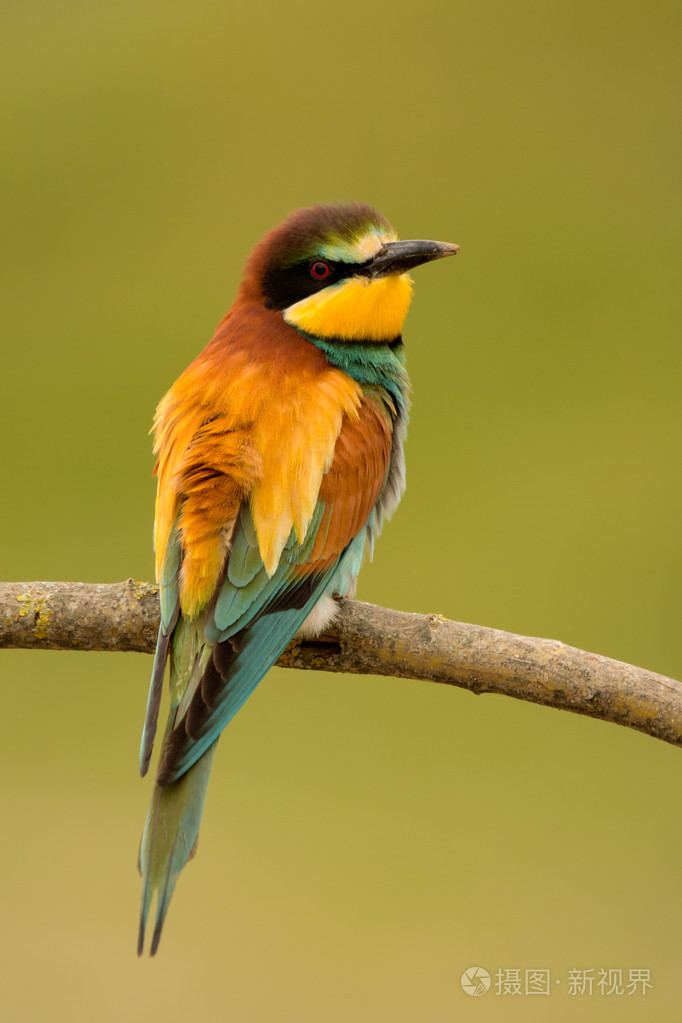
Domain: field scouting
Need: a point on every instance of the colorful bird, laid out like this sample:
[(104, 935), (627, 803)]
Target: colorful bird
[(280, 453)]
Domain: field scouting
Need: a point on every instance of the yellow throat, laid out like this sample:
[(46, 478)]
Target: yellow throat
[(358, 309)]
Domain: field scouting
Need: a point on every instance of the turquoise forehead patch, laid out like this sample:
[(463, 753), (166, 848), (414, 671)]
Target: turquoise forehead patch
[(357, 249)]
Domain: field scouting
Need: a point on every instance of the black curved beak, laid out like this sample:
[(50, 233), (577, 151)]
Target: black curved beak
[(398, 257)]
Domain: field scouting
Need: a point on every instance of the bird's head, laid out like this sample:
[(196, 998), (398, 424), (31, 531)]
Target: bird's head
[(338, 272)]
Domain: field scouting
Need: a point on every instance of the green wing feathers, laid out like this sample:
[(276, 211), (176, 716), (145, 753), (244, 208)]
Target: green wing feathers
[(216, 661)]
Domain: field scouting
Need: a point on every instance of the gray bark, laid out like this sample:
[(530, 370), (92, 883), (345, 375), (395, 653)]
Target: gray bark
[(368, 640)]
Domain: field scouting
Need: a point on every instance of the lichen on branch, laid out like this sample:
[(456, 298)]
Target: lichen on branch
[(366, 639)]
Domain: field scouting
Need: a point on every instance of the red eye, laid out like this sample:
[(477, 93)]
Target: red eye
[(320, 270)]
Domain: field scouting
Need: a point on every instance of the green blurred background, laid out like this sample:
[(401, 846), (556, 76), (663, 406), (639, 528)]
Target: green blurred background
[(365, 840)]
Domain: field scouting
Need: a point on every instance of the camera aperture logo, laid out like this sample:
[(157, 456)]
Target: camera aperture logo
[(475, 981), (589, 982)]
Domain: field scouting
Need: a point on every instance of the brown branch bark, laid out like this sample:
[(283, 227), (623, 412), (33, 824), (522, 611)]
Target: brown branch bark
[(368, 640)]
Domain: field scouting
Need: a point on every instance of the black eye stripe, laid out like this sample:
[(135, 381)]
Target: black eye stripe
[(283, 286)]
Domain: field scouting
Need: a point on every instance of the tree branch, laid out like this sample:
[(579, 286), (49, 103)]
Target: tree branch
[(368, 640)]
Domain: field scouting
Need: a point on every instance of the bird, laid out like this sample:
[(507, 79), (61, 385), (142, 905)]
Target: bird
[(279, 456)]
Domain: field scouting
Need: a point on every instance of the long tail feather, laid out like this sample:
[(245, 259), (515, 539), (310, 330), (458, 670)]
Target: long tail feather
[(169, 840), (154, 701)]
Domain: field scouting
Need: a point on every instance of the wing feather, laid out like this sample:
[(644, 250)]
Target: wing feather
[(268, 471), (263, 611)]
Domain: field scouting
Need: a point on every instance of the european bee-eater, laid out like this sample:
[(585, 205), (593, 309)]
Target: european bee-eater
[(280, 454)]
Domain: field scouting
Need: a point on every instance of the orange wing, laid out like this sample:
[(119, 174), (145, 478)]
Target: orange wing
[(255, 417), (351, 487)]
